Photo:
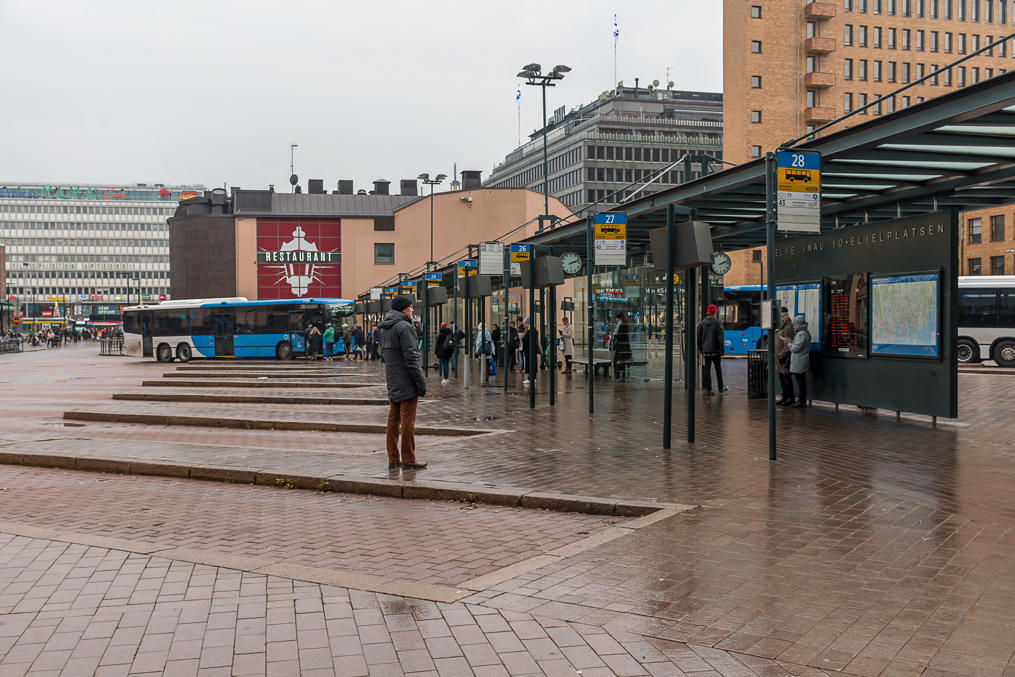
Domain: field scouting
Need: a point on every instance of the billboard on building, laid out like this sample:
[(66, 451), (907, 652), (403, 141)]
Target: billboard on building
[(299, 258)]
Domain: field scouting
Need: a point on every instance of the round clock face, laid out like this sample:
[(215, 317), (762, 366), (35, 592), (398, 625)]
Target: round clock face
[(721, 263), (571, 262)]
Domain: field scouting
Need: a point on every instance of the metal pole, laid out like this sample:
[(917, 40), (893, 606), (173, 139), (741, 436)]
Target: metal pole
[(671, 237), (431, 229), (454, 318), (467, 353), (506, 329), (590, 370), (552, 342), (770, 222), (426, 326), (690, 348), (533, 365), (546, 163)]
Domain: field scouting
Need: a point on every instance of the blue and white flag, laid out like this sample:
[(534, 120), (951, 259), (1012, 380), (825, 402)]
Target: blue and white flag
[(518, 94), (616, 31)]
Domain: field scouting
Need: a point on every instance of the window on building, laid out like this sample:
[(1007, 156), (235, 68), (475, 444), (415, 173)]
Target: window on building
[(986, 41), (960, 78), (1002, 16), (934, 8), (975, 42), (919, 41), (934, 77), (891, 38), (973, 267), (997, 265), (974, 11), (861, 100), (384, 252), (756, 116), (811, 98), (948, 43), (847, 102), (907, 7), (948, 77), (877, 108), (876, 38), (975, 231), (974, 75), (847, 5), (877, 71), (905, 102), (997, 228), (755, 82), (891, 71), (920, 6), (933, 41), (892, 6), (810, 29), (862, 36), (862, 6), (919, 71), (861, 71), (890, 105), (811, 64), (877, 6), (755, 46), (905, 38), (384, 223), (847, 38), (949, 14), (847, 69), (905, 72), (988, 73), (755, 11)]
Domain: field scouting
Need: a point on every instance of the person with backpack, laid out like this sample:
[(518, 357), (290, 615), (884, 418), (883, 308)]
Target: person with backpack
[(329, 342), (443, 350), (357, 339), (711, 345), (484, 346)]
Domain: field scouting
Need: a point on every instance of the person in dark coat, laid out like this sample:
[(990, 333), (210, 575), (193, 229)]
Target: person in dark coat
[(621, 344), (530, 338), (405, 380), (315, 342), (376, 346), (358, 340), (711, 345), (512, 346), (444, 348), (782, 357)]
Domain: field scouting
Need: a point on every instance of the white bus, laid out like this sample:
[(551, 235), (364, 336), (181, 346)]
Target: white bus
[(987, 319)]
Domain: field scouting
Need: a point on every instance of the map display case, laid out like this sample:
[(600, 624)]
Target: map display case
[(905, 318)]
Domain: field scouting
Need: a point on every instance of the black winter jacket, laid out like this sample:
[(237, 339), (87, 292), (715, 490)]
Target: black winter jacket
[(711, 339), (400, 348)]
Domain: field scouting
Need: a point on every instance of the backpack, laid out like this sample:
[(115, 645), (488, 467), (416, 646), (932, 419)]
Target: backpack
[(449, 344)]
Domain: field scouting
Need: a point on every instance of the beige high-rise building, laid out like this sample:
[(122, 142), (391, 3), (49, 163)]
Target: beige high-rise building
[(790, 66)]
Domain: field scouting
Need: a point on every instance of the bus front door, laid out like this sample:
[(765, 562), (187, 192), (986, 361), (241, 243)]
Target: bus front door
[(296, 327), (146, 335), (223, 335)]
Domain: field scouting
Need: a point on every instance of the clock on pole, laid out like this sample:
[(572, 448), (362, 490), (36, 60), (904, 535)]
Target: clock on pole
[(571, 262), (721, 263)]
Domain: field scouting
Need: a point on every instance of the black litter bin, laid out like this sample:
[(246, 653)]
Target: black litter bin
[(757, 373)]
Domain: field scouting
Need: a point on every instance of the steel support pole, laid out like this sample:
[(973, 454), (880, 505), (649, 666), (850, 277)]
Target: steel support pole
[(546, 163), (454, 320), (671, 238), (590, 370), (467, 353), (552, 342), (533, 365), (770, 223), (691, 349), (426, 326), (506, 329)]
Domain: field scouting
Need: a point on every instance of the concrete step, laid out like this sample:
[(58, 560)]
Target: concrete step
[(266, 383), (257, 374), (248, 399)]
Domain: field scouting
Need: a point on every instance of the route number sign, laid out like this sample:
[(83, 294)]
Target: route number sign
[(610, 239), (798, 186)]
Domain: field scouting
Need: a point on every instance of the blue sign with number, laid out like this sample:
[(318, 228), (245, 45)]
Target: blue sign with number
[(797, 160), (434, 276), (520, 249), (607, 218)]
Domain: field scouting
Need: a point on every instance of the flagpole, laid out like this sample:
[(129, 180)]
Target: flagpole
[(616, 36), (519, 101)]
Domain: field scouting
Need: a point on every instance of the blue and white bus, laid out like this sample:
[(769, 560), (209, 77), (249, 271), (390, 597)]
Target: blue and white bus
[(228, 327), (740, 312)]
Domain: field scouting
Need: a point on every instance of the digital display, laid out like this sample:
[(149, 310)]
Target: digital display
[(845, 326), (905, 315)]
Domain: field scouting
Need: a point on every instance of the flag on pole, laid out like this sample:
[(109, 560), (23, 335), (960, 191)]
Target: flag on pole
[(518, 94), (616, 31)]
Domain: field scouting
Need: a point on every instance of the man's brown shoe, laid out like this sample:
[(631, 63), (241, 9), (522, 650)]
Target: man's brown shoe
[(414, 466), (394, 465)]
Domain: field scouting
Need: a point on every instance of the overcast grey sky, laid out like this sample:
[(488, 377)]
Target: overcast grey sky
[(214, 92)]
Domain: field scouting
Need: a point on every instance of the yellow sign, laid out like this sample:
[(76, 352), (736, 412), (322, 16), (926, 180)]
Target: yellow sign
[(56, 298), (519, 256), (798, 180), (676, 278), (611, 231)]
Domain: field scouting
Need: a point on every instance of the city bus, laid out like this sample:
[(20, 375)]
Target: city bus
[(228, 327), (987, 319), (740, 313)]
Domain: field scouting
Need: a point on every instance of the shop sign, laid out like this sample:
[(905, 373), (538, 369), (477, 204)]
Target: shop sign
[(610, 238), (81, 193), (187, 194)]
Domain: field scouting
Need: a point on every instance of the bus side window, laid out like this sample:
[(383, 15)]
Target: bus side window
[(978, 308), (200, 322), (1006, 309)]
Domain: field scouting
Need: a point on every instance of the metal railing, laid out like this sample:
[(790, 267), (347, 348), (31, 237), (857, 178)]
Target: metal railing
[(11, 345), (111, 346)]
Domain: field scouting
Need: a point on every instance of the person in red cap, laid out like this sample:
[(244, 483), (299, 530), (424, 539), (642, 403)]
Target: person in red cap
[(711, 345)]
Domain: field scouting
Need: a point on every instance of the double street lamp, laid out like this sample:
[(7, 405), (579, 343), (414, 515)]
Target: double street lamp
[(533, 76), (425, 178)]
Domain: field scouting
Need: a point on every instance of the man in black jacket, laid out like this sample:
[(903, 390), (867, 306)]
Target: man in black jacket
[(711, 345), (406, 383)]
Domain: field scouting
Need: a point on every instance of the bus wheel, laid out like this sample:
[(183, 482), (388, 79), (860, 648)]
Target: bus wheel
[(284, 351), (164, 353), (967, 352), (1004, 353), (183, 352)]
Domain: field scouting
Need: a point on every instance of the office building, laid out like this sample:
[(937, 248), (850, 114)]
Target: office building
[(790, 67), (84, 250), (618, 139)]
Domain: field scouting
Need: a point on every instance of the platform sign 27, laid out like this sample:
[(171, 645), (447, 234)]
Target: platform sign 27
[(798, 186)]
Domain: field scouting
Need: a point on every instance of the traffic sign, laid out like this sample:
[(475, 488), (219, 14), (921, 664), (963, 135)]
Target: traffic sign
[(610, 238), (798, 186)]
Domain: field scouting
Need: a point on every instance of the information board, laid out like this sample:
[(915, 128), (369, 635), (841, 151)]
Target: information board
[(610, 239), (519, 253), (375, 293), (491, 258), (467, 267), (904, 315), (433, 279), (798, 186), (391, 292)]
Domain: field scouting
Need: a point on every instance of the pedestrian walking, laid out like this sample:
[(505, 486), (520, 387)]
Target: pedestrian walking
[(800, 360), (711, 345), (377, 341), (347, 340), (513, 343), (458, 335), (329, 342), (782, 357), (621, 344), (567, 343), (405, 381), (443, 350)]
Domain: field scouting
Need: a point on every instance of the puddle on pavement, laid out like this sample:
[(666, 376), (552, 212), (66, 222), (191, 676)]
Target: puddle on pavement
[(484, 418), (67, 424)]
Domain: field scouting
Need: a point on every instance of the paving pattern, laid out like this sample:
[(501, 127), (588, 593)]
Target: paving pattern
[(872, 547)]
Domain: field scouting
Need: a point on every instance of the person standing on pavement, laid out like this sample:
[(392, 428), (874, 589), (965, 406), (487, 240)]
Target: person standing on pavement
[(711, 345), (314, 341), (377, 342), (458, 335), (347, 340), (567, 343), (329, 342), (405, 380), (800, 360), (621, 344), (443, 350), (782, 357), (357, 338), (512, 346)]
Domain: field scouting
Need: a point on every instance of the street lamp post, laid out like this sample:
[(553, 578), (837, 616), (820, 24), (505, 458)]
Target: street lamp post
[(425, 178), (533, 76)]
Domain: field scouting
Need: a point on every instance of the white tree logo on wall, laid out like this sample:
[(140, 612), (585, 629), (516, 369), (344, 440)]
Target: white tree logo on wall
[(299, 262)]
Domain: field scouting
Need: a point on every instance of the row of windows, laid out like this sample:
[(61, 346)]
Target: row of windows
[(85, 274), (86, 209), (620, 175), (890, 71), (21, 291), (82, 242), (974, 228), (886, 106), (918, 40), (635, 154), (87, 258), (94, 225), (974, 266), (987, 11)]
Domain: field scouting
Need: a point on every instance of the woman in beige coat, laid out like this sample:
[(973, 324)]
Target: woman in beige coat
[(782, 355), (567, 343)]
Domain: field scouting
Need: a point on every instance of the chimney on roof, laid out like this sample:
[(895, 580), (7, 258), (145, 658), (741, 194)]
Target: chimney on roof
[(381, 186), (471, 180), (315, 186), (345, 187), (408, 187)]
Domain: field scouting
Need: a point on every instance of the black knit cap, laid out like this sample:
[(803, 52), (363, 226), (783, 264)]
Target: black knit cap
[(401, 302)]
